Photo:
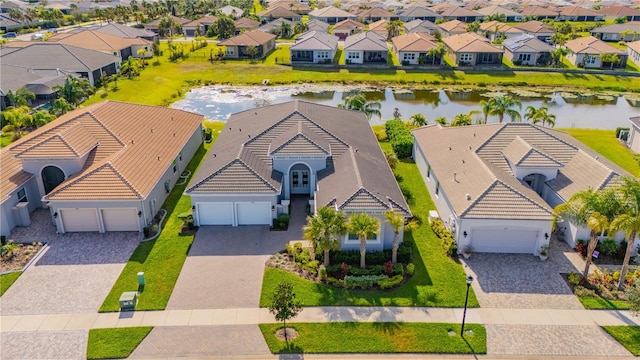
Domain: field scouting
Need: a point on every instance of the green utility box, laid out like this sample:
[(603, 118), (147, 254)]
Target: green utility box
[(141, 278), (128, 301)]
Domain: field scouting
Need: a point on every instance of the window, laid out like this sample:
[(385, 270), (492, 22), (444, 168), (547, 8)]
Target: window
[(370, 237), (22, 195), (323, 54), (305, 179), (590, 59), (486, 58), (180, 157), (429, 172), (175, 166), (230, 51), (466, 57), (353, 55), (524, 57), (294, 179), (437, 188), (409, 56)]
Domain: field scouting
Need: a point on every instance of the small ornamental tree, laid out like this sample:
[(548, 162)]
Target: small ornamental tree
[(633, 294), (284, 305)]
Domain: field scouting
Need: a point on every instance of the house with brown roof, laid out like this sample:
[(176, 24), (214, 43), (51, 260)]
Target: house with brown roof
[(509, 15), (421, 26), (279, 12), (153, 26), (245, 24), (105, 167), (536, 28), (107, 43), (495, 29), (633, 51), (578, 13), (236, 47), (418, 12), (461, 14), (375, 14), (539, 12), (199, 27), (628, 31), (495, 186), (633, 139), (366, 47), (413, 49), (380, 27), (616, 11), (588, 52), (266, 156), (331, 15), (297, 7), (471, 49), (453, 27), (346, 28), (527, 50)]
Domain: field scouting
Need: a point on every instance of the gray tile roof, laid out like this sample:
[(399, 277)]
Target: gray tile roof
[(39, 82), (330, 11), (43, 55), (420, 26), (357, 174), (526, 43), (521, 153), (367, 41), (316, 40), (317, 25), (125, 31), (630, 26)]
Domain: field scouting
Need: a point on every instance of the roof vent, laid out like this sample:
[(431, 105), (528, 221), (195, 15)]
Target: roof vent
[(469, 148), (174, 134), (172, 118), (467, 196), (152, 130), (239, 129), (463, 161), (158, 158), (449, 148), (214, 155), (474, 134)]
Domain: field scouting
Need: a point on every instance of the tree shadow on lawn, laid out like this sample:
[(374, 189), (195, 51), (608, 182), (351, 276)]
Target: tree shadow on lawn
[(570, 76), (473, 352)]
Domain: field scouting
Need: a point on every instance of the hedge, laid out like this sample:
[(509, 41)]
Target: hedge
[(400, 137)]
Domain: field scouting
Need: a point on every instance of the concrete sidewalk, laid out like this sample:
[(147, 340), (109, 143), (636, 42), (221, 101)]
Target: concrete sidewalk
[(250, 316)]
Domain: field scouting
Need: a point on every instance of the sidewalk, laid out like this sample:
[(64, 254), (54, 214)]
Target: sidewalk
[(252, 316)]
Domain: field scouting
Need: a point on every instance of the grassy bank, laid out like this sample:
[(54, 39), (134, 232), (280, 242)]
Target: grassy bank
[(7, 280), (349, 338), (115, 343)]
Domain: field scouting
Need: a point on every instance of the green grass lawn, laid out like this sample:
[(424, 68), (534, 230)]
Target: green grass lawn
[(628, 336), (160, 259), (598, 303), (377, 338), (115, 343), (7, 280), (5, 139), (437, 281), (606, 144)]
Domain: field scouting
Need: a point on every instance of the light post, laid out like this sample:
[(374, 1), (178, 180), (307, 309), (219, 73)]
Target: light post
[(466, 300)]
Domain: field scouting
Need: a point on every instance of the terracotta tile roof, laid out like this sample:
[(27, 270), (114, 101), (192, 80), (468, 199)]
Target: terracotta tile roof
[(246, 23), (593, 46), (73, 142), (380, 27), (634, 46), (470, 43), (99, 41), (367, 41), (330, 11), (618, 10), (249, 38), (348, 24), (490, 26), (414, 42), (458, 11), (454, 26), (577, 11), (497, 9), (538, 11), (535, 27)]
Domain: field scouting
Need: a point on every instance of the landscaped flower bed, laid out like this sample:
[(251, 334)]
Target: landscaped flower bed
[(15, 256), (600, 289)]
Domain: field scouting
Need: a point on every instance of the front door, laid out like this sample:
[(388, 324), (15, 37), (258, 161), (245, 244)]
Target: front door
[(300, 181)]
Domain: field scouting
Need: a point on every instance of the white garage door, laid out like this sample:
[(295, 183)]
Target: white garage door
[(254, 213), (74, 220), (504, 241), (120, 219), (215, 213)]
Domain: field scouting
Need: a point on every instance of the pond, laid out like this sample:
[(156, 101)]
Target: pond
[(597, 111)]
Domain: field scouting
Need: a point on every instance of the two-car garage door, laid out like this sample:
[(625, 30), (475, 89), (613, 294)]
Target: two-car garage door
[(504, 241), (87, 219), (234, 213)]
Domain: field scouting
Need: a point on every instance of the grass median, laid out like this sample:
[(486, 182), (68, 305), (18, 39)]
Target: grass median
[(627, 336), (6, 280), (115, 343)]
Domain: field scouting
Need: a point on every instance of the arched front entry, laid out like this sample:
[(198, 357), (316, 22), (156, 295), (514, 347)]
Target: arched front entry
[(300, 179), (536, 182), (52, 176)]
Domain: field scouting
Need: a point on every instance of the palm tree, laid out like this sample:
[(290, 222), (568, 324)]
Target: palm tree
[(363, 226), (322, 228), (418, 120), (21, 97), (486, 109), (610, 58), (393, 28), (473, 27), (628, 221), (74, 89), (396, 220), (461, 120), (540, 115), (252, 51), (60, 106), (359, 102), (300, 27), (530, 114), (504, 104), (40, 118), (285, 29), (442, 121), (557, 55), (166, 24)]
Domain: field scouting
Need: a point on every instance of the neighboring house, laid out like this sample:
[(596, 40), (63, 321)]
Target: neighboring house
[(87, 63), (453, 27), (125, 31), (234, 12), (245, 24), (587, 52), (376, 14), (9, 24), (104, 167), (380, 27), (494, 30), (471, 49), (629, 31), (495, 186), (275, 26), (616, 11), (39, 82), (366, 47), (180, 22), (331, 15), (539, 12), (347, 28), (199, 26), (536, 28), (510, 15), (297, 7), (421, 26), (461, 14), (314, 47), (279, 12), (64, 8), (412, 13), (527, 50), (633, 140), (317, 25), (327, 155), (633, 51), (578, 13), (236, 47), (106, 43), (413, 49)]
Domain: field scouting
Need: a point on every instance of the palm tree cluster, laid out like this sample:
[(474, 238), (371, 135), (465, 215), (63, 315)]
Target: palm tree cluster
[(616, 209), (540, 115), (359, 102)]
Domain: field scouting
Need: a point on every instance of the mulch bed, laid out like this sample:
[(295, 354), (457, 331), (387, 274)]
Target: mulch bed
[(16, 259)]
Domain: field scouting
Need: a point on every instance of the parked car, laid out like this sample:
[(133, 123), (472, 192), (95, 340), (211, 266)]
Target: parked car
[(9, 35), (37, 37)]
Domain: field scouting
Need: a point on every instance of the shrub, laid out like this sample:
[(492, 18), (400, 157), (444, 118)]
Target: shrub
[(583, 291), (608, 247), (322, 272), (411, 268), (335, 282), (388, 268), (400, 137), (390, 282), (311, 267), (362, 282), (373, 270), (408, 196), (574, 279), (398, 269), (392, 159), (146, 231), (281, 222), (302, 257)]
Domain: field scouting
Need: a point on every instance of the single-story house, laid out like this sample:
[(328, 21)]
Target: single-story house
[(298, 7), (633, 140), (453, 27), (536, 28), (578, 13), (8, 23), (496, 29), (633, 51), (615, 11), (495, 186), (629, 31), (105, 167), (64, 8), (267, 155), (124, 31), (275, 26), (199, 26), (87, 63), (346, 28), (154, 25), (415, 12), (471, 49), (106, 43), (279, 12), (314, 47), (509, 15), (317, 25), (539, 12), (380, 27), (527, 50), (413, 49), (7, 5), (331, 15), (40, 82), (236, 47), (233, 11), (245, 24), (366, 47), (462, 14), (587, 52), (376, 14), (421, 26)]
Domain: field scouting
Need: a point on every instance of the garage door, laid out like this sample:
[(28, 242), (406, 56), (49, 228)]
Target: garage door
[(121, 219), (504, 241), (74, 220), (215, 213), (254, 213)]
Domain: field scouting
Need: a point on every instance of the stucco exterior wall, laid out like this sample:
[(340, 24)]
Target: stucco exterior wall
[(8, 220), (469, 225)]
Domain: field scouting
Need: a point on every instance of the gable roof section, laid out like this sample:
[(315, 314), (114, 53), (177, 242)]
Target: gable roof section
[(414, 42), (577, 11), (102, 182), (500, 201), (73, 141), (278, 12), (458, 11), (368, 41), (452, 25), (470, 42), (618, 10), (538, 11), (51, 55), (99, 41), (348, 25), (520, 153), (497, 9), (315, 40), (630, 26), (490, 26), (125, 31), (526, 43), (246, 23), (418, 11), (317, 25), (592, 46), (236, 176), (420, 26), (299, 140), (376, 12), (255, 37), (535, 27), (330, 11)]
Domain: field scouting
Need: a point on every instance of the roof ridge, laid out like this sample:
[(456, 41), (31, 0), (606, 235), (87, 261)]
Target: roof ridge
[(493, 185), (361, 190), (355, 165), (109, 165)]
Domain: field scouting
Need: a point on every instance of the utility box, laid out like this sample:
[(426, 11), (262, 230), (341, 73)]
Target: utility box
[(128, 301), (141, 278)]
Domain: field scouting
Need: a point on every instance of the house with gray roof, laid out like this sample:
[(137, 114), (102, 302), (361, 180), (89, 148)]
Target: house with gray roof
[(527, 50), (8, 23), (41, 82), (233, 11), (495, 186), (536, 28), (314, 47), (317, 25), (628, 31), (266, 156), (124, 31), (412, 13), (366, 47), (509, 15), (471, 49), (275, 26), (331, 15), (421, 26)]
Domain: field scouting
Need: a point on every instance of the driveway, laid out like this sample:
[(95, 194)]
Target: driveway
[(226, 264), (74, 275)]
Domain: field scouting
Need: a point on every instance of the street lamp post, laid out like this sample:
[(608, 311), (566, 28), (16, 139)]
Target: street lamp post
[(466, 300)]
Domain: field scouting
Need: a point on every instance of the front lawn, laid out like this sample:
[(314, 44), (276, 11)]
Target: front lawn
[(598, 303), (160, 259), (6, 280), (115, 343), (377, 338), (437, 281), (628, 336)]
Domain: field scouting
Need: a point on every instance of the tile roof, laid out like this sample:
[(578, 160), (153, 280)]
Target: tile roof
[(51, 55), (630, 26), (420, 26), (414, 42), (454, 26), (634, 46), (380, 27), (470, 42), (330, 11), (538, 11), (278, 12), (418, 11), (618, 10), (490, 26), (136, 144), (497, 9), (121, 30), (246, 23), (347, 25), (376, 12), (526, 43), (367, 41), (39, 82), (357, 175), (99, 41), (458, 11), (535, 26), (255, 37), (275, 25), (315, 40), (577, 11), (521, 153), (592, 45), (317, 25)]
